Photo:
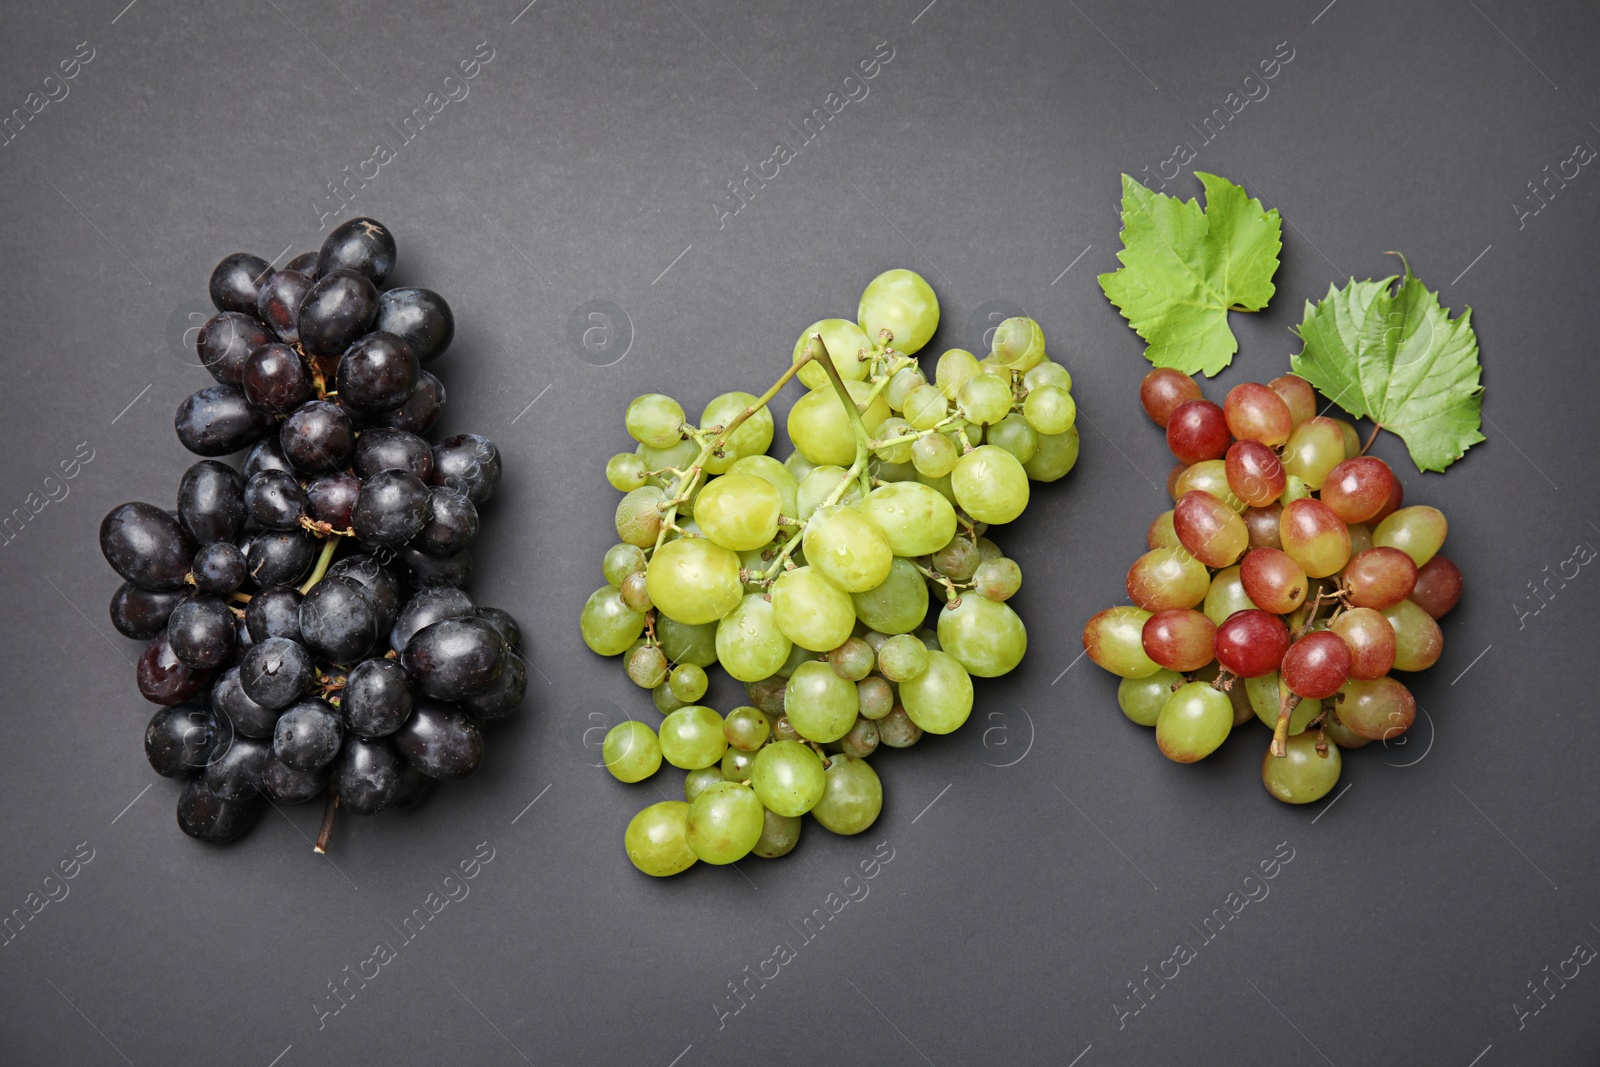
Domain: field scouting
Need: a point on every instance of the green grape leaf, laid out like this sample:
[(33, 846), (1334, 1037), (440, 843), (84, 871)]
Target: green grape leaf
[(1395, 356), (1184, 269)]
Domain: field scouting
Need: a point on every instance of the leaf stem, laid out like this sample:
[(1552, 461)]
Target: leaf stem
[(1377, 428)]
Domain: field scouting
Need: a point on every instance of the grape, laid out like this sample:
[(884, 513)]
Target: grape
[(620, 561), (688, 682), (275, 500), (146, 546), (631, 751), (1418, 641), (201, 632), (1417, 531), (317, 437), (847, 548), (361, 245), (280, 558), (1314, 448), (820, 705), (990, 485), (1303, 774), (419, 317), (225, 342), (1438, 587), (207, 817), (178, 741), (935, 455), (915, 519), (377, 372), (210, 505), (337, 621), (898, 605), (1255, 474), (985, 399), (902, 303), (1262, 523), (1273, 580), (746, 728), (307, 736), (985, 636), (1360, 538), (366, 774), (1255, 413), (748, 642), (862, 740), (1370, 639), (684, 643), (900, 388), (1316, 665), (625, 471), (810, 612), (940, 698), (735, 766), (647, 667), (953, 370), (339, 307), (235, 767), (694, 581), (897, 730), (1050, 410), (1314, 537), (846, 343), (779, 835), (332, 497), (1167, 578), (1113, 640), (1377, 709), (1251, 642), (141, 613), (691, 737), (819, 484), (376, 699), (1179, 639), (218, 420), (657, 839), (774, 474), (274, 378), (1163, 391), (451, 658), (427, 607), (1197, 430), (638, 518), (852, 798), (1293, 489), (452, 523), (1209, 529), (1380, 578), (752, 437), (820, 426), (503, 695), (417, 415), (1208, 476), (1393, 504), (852, 660), (1358, 488), (902, 658), (1193, 722), (1013, 434), (392, 509), (1297, 395), (1055, 455), (997, 579), (1141, 699), (724, 822), (440, 741), (696, 782), (234, 282), (1266, 694), (1047, 372), (788, 778), (276, 672), (468, 463)]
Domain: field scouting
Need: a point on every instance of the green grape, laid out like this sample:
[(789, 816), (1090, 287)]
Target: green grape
[(902, 658), (1418, 531), (625, 471), (788, 777), (685, 643), (767, 694), (953, 369), (988, 550), (1209, 476), (1293, 489), (873, 638), (853, 797), (990, 485), (846, 342), (694, 581), (797, 656), (1114, 639), (818, 703), (1162, 534), (1193, 722), (749, 644), (695, 782), (635, 592), (901, 302), (607, 624), (935, 455), (897, 730), (847, 548), (736, 765), (1352, 440), (811, 612), (621, 561), (779, 835), (985, 399), (1418, 641), (654, 420), (940, 698), (820, 427), (852, 660), (900, 386), (875, 696), (1141, 698), (997, 579), (1266, 691), (631, 751), (957, 560), (724, 823), (783, 729), (891, 472), (689, 682), (647, 667), (680, 456), (1314, 448), (752, 437), (1013, 434), (1019, 344), (754, 564), (862, 740), (746, 728), (664, 701), (739, 511), (774, 474), (914, 518), (1054, 456), (926, 406), (929, 639), (691, 737), (939, 485), (799, 466), (1050, 409), (899, 604), (1048, 372), (1303, 774), (819, 485), (1226, 595), (895, 443), (657, 839), (985, 636), (639, 517)]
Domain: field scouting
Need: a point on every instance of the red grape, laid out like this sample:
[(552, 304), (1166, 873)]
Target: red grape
[(1256, 413), (1252, 642), (1314, 536), (1438, 586), (1370, 639), (1255, 473), (1163, 390), (1378, 709), (1212, 532), (1263, 526), (1180, 639), (1298, 396), (1357, 489), (1380, 578), (1396, 501), (1316, 665), (1273, 580), (1197, 430)]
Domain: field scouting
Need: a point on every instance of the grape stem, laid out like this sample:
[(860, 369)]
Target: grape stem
[(1376, 429), (1280, 732), (817, 351), (326, 831), (329, 547)]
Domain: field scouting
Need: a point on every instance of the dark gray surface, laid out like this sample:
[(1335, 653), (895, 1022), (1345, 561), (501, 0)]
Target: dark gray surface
[(585, 159)]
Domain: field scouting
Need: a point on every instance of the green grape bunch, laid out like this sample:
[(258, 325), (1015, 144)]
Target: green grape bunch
[(811, 578)]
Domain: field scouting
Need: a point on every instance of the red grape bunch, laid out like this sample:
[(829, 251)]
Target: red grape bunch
[(1285, 584), (282, 672)]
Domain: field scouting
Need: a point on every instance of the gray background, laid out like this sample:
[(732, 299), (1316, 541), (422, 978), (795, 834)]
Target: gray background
[(1061, 854)]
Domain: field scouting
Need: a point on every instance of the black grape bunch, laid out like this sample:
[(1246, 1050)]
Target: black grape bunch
[(308, 631)]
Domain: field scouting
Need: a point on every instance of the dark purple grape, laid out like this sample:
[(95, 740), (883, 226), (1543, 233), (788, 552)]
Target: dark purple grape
[(503, 695), (332, 497), (415, 787), (337, 621), (232, 706), (367, 775), (392, 510), (421, 569), (308, 735), (440, 741), (267, 455), (276, 379), (226, 341), (428, 606), (211, 502), (338, 308), (275, 500), (358, 244), (469, 463), (376, 698), (377, 373), (378, 582), (280, 557), (274, 612), (452, 523), (234, 770), (383, 448), (242, 643), (236, 280), (305, 263), (277, 672), (218, 420), (505, 625), (178, 742), (420, 317), (420, 412), (454, 657), (164, 678), (282, 782), (147, 546), (140, 613), (218, 569), (201, 632), (278, 303), (317, 437), (207, 817)]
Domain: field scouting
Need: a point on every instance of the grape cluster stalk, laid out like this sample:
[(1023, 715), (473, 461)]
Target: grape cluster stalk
[(283, 671), (810, 579), (1286, 583)]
